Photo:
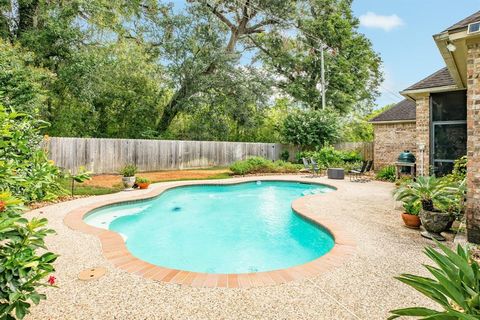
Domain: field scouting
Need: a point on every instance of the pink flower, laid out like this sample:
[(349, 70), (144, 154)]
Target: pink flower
[(51, 280)]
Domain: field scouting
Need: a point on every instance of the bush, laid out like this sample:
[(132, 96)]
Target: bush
[(387, 174), (455, 286), (328, 156), (22, 268), (261, 165), (412, 207), (311, 128), (128, 170), (142, 180), (25, 170), (285, 155)]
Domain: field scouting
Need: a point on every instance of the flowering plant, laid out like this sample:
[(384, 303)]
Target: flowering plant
[(22, 267)]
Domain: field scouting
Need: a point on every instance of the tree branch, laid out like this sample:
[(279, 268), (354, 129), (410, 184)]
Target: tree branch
[(268, 53), (261, 24), (222, 17)]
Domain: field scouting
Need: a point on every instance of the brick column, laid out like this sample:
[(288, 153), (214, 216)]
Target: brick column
[(473, 143), (423, 132)]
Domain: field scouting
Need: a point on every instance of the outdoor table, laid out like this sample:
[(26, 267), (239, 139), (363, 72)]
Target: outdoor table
[(399, 165), (336, 173)]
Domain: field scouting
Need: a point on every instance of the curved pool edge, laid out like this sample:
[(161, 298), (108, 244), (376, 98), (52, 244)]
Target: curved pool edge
[(115, 251)]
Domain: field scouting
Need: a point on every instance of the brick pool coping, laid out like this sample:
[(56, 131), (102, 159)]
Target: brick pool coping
[(115, 250)]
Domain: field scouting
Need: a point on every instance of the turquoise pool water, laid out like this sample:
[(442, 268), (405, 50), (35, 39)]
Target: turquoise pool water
[(248, 227)]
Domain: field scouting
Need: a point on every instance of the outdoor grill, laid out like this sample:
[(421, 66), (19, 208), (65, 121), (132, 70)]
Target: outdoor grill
[(407, 158)]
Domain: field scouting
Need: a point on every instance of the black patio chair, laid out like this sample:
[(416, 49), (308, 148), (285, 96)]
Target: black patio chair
[(307, 166), (367, 169), (354, 173), (316, 169)]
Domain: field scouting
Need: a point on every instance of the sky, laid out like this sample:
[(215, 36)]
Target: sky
[(401, 32)]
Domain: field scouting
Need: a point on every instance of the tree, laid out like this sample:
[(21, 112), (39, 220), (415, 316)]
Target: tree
[(352, 67), (311, 128), (357, 127), (200, 48), (22, 85)]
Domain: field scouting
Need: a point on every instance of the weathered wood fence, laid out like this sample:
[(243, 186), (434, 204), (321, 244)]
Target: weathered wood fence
[(364, 148), (110, 155)]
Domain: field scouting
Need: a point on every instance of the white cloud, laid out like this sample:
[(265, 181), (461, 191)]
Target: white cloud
[(387, 23)]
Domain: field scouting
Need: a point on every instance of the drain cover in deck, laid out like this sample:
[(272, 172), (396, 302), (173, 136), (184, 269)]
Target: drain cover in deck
[(91, 274)]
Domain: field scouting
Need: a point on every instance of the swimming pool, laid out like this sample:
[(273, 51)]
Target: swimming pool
[(242, 228)]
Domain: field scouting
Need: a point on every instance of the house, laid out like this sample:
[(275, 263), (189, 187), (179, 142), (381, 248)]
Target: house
[(439, 120)]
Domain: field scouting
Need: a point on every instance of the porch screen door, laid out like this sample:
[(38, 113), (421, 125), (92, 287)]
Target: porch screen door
[(449, 129)]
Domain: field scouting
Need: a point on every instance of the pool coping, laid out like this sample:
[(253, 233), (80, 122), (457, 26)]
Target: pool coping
[(116, 252)]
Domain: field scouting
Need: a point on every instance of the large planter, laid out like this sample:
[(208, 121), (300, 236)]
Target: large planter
[(411, 221), (128, 182), (434, 223)]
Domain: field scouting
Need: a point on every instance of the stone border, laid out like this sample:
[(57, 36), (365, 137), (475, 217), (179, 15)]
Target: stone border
[(115, 250)]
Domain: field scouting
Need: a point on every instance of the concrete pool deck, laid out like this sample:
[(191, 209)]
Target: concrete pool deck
[(360, 287)]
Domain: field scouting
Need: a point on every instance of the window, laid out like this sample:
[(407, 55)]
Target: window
[(449, 129)]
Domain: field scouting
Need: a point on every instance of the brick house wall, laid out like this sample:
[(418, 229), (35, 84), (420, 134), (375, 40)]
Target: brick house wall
[(423, 131), (473, 142), (390, 140)]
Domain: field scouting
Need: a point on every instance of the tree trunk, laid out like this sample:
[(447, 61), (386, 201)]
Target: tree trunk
[(175, 105), (27, 16)]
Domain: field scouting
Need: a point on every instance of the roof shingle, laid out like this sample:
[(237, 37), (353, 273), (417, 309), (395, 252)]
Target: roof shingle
[(404, 110), (465, 22), (440, 78)]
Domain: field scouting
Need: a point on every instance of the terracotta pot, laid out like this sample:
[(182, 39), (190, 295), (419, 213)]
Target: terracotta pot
[(143, 185), (411, 221)]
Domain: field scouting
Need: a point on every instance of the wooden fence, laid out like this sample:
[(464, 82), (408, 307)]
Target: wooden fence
[(364, 148), (110, 155)]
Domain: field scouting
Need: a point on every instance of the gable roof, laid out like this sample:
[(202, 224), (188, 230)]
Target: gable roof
[(465, 22), (440, 78), (405, 110)]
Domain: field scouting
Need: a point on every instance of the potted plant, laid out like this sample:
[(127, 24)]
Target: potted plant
[(142, 182), (428, 191), (128, 173), (410, 216)]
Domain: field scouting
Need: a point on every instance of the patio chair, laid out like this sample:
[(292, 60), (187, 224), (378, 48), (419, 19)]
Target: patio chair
[(354, 173), (316, 169), (367, 169), (307, 166)]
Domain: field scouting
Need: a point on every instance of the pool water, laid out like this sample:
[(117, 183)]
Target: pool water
[(248, 227)]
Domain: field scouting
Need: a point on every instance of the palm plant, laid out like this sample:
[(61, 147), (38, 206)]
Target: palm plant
[(427, 190), (455, 286)]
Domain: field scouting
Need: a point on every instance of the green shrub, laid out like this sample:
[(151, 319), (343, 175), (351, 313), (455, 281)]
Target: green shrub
[(412, 207), (311, 128), (455, 286), (25, 170), (128, 170), (387, 173), (285, 155), (430, 191), (328, 156), (142, 180), (261, 165), (24, 261)]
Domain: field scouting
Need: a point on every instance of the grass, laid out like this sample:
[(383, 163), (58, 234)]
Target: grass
[(84, 190), (88, 190), (217, 176)]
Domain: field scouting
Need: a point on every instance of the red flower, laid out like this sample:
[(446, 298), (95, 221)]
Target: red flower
[(51, 280), (3, 205)]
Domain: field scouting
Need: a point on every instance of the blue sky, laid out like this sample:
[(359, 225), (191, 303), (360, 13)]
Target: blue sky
[(407, 48), (401, 32)]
